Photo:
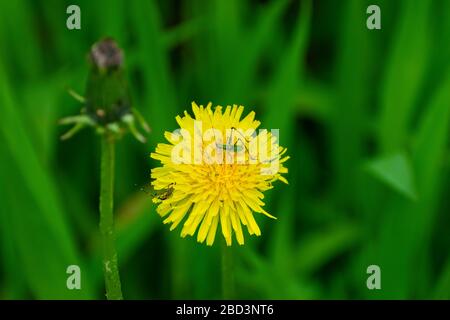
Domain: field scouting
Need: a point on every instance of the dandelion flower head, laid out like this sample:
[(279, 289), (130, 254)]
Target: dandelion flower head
[(214, 170)]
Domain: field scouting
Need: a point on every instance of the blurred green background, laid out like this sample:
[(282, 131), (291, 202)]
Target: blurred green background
[(364, 114)]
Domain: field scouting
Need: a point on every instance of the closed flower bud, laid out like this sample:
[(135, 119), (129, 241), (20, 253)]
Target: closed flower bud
[(107, 94), (107, 101)]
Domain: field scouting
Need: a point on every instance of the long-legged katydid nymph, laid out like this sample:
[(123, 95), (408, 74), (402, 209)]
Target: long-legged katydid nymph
[(235, 147)]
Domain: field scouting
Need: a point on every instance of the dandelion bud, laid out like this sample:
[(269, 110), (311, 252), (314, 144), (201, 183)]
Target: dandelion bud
[(106, 54), (107, 94), (107, 101)]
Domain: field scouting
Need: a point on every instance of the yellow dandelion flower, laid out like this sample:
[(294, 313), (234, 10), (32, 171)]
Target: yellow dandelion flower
[(214, 171)]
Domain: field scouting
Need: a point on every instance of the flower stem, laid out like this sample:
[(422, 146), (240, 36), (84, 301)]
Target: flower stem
[(110, 265), (227, 272)]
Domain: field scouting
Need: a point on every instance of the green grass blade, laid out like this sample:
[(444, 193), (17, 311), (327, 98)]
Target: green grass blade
[(395, 171), (399, 246), (405, 71), (48, 221)]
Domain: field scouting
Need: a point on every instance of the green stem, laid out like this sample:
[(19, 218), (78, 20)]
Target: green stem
[(227, 272), (110, 265)]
